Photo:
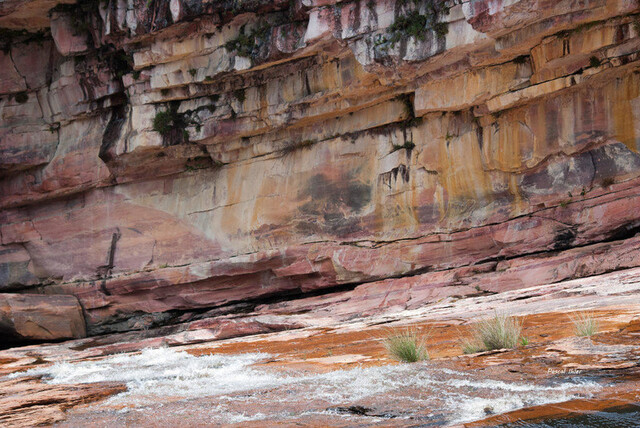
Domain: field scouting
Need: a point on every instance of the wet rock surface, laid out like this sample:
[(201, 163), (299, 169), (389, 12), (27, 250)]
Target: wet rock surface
[(26, 401), (266, 188), (338, 373)]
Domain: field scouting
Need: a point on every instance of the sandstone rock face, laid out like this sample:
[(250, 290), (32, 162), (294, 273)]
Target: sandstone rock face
[(159, 159), (28, 317)]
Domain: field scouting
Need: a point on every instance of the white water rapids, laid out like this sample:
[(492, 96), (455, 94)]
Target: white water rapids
[(230, 388)]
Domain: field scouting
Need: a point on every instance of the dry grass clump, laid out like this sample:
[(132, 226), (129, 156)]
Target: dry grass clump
[(500, 331), (585, 324), (406, 346)]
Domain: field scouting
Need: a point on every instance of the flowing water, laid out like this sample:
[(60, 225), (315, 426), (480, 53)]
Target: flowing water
[(168, 386), (618, 417)]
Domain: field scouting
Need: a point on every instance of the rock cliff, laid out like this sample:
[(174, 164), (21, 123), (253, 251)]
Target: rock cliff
[(166, 161)]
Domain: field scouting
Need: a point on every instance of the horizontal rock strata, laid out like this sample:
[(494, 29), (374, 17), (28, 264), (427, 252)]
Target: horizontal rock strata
[(162, 159)]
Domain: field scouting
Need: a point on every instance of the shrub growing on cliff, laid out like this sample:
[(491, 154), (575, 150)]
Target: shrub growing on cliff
[(412, 25), (163, 122), (406, 346), (500, 331), (416, 24), (245, 44), (585, 324)]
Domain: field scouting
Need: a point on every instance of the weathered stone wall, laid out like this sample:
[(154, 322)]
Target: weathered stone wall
[(310, 144)]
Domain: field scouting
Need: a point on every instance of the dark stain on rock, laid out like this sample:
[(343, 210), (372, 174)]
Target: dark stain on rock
[(332, 203), (105, 271), (559, 177), (428, 214), (157, 16), (614, 160), (335, 194), (390, 177), (564, 239), (112, 133), (479, 136), (354, 16), (626, 231)]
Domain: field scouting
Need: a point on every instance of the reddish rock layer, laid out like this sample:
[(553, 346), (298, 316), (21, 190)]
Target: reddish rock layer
[(29, 317), (160, 159)]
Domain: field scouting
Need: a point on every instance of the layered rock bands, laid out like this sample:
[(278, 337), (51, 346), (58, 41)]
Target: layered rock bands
[(160, 160)]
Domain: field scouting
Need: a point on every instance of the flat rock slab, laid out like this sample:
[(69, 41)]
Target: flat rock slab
[(28, 401), (31, 317)]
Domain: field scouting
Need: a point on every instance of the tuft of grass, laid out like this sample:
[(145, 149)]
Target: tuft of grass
[(594, 61), (607, 181), (500, 331), (585, 324), (406, 346)]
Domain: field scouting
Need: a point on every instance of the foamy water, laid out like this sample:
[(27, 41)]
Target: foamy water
[(243, 392)]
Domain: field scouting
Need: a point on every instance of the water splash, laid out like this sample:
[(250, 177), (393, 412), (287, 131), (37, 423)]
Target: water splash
[(244, 391)]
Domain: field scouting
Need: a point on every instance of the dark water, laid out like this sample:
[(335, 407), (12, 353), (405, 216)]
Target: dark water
[(617, 417)]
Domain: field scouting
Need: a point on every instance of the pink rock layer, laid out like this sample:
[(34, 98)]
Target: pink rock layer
[(167, 161)]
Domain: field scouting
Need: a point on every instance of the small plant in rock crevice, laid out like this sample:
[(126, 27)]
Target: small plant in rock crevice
[(411, 120), (171, 125), (164, 122), (408, 145), (406, 346)]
